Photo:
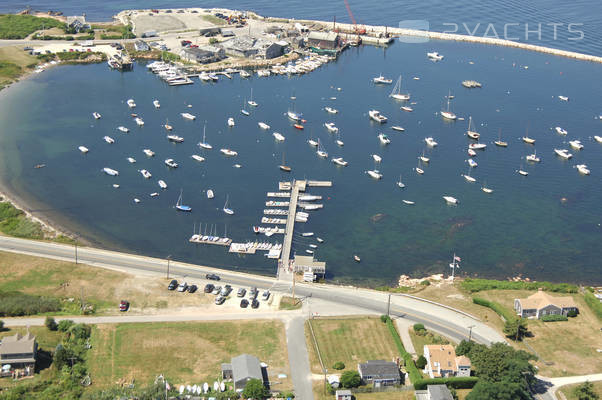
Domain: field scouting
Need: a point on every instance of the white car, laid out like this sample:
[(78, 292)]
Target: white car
[(265, 295), (182, 287)]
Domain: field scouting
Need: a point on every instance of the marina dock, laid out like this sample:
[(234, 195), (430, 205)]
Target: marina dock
[(200, 239), (285, 256)]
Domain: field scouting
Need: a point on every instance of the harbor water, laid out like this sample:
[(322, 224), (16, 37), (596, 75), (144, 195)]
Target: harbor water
[(544, 226)]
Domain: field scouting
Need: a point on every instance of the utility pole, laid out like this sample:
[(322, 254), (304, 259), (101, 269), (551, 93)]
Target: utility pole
[(470, 332), (168, 260), (389, 306), (81, 298), (76, 249)]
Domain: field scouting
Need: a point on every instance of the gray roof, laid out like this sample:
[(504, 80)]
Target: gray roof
[(439, 392), (326, 36), (246, 366), (379, 369), (17, 345), (345, 392)]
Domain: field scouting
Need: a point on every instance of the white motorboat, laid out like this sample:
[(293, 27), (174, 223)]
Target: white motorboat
[(339, 142), (374, 173), (116, 185), (244, 74), (96, 115), (419, 170), (227, 210), (83, 149), (295, 116), (377, 116), (309, 251), (204, 144), (131, 160), (563, 153), (477, 146), (188, 116), (384, 139), (210, 194), (330, 126), (321, 152), (136, 200), (175, 138), (307, 234), (145, 174), (123, 129), (522, 172), (433, 55), (472, 163), (582, 168), (320, 240), (472, 134), (423, 158), (228, 152), (340, 161), (167, 126), (156, 103), (598, 138), (198, 158), (447, 114), (278, 136), (430, 141), (154, 194), (450, 199), (382, 80), (331, 110), (472, 153), (139, 121), (468, 177), (576, 144), (377, 158), (110, 171), (407, 108), (162, 184), (109, 139), (398, 128), (396, 92), (408, 202), (171, 163), (533, 157), (486, 189), (149, 152), (563, 98), (528, 140), (312, 142), (263, 125), (560, 131), (131, 103)]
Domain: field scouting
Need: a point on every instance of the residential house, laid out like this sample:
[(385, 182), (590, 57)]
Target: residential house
[(141, 45), (343, 395), (242, 369), (380, 373), (242, 46), (442, 361), (540, 303), (203, 55), (324, 40), (19, 352), (77, 23), (434, 392)]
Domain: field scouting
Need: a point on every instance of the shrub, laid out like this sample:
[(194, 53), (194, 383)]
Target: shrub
[(419, 327), (384, 318), (585, 391), (65, 325), (80, 332), (254, 389), (50, 324), (498, 308), (572, 313), (339, 365), (17, 304), (407, 357), (425, 283), (467, 382), (350, 379), (593, 303), (213, 41), (515, 329), (19, 26), (554, 318), (421, 362)]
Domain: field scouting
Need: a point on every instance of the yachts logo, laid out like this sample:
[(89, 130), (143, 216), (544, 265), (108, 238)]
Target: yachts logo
[(516, 31), (414, 25)]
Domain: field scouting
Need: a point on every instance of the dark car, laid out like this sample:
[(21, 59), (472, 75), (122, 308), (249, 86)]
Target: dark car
[(208, 288), (255, 303), (124, 305), (192, 288), (212, 277), (241, 292), (244, 303), (172, 285)]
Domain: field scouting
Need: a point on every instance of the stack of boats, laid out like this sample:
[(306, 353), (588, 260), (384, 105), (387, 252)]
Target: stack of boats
[(169, 73)]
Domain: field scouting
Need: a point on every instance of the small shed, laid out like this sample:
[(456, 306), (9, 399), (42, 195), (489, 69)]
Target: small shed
[(209, 31), (343, 395), (141, 45), (149, 34)]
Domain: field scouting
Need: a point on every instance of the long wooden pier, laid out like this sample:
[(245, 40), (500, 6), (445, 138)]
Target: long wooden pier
[(285, 256)]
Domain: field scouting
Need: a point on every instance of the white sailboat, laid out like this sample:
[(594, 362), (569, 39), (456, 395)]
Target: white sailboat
[(203, 144), (419, 170), (446, 113), (400, 184), (278, 136), (321, 152), (533, 157), (180, 206), (468, 177), (472, 134), (396, 92), (227, 210), (251, 102)]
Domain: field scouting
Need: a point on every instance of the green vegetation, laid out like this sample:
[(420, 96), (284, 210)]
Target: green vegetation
[(14, 222), (457, 382), (554, 318), (498, 308), (287, 303), (516, 329), (476, 285), (16, 304), (115, 32), (421, 362), (414, 373), (585, 391), (20, 26), (419, 328), (10, 71), (594, 304), (338, 365), (350, 379), (51, 324), (213, 19), (169, 57), (254, 389)]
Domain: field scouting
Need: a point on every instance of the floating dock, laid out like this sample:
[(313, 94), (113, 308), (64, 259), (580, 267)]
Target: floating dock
[(275, 211), (253, 247), (318, 184), (279, 194)]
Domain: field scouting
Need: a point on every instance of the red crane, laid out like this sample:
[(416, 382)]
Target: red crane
[(357, 30)]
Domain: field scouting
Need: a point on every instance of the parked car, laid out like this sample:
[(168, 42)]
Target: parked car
[(182, 287), (27, 48), (217, 290), (254, 303), (209, 288), (244, 303), (192, 288), (253, 292), (241, 292), (265, 295), (172, 285), (219, 300), (226, 290), (212, 277), (124, 305)]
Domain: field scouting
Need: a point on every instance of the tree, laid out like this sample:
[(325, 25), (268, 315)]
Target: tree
[(419, 327), (50, 324), (421, 362), (501, 362), (516, 329), (350, 379), (65, 324), (384, 318), (454, 393), (464, 348), (254, 389), (339, 365), (1, 325), (585, 391), (498, 391)]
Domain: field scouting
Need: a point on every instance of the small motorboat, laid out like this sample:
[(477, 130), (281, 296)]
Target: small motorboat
[(299, 126), (560, 131), (331, 110), (469, 178), (109, 139), (229, 152), (398, 128), (278, 136), (154, 194), (598, 138), (472, 163), (330, 126), (320, 240), (312, 142), (472, 153), (487, 190), (83, 149), (198, 158), (162, 184), (171, 163), (96, 115), (131, 160), (377, 158), (430, 141), (210, 194), (263, 125), (136, 200), (433, 55), (309, 251), (563, 153), (131, 103), (576, 144), (307, 234), (419, 170), (139, 121), (408, 202), (384, 139), (123, 129), (156, 103), (110, 171), (340, 161), (145, 174), (382, 80), (188, 116), (522, 172), (375, 115), (450, 199), (582, 168), (245, 112), (175, 138), (374, 173), (356, 258), (149, 152), (407, 108), (477, 146), (563, 98)]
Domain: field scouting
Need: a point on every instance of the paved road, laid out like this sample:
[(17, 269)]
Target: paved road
[(299, 358), (547, 387)]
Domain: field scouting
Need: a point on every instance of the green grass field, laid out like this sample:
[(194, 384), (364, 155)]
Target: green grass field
[(20, 26), (568, 390), (429, 338), (350, 340), (186, 353)]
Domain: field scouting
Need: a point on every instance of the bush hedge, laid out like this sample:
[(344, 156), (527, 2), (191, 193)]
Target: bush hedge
[(407, 357), (554, 318), (498, 308), (593, 303), (476, 285), (456, 382), (17, 304)]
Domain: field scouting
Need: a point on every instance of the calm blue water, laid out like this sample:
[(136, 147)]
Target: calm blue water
[(522, 228), (483, 17)]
